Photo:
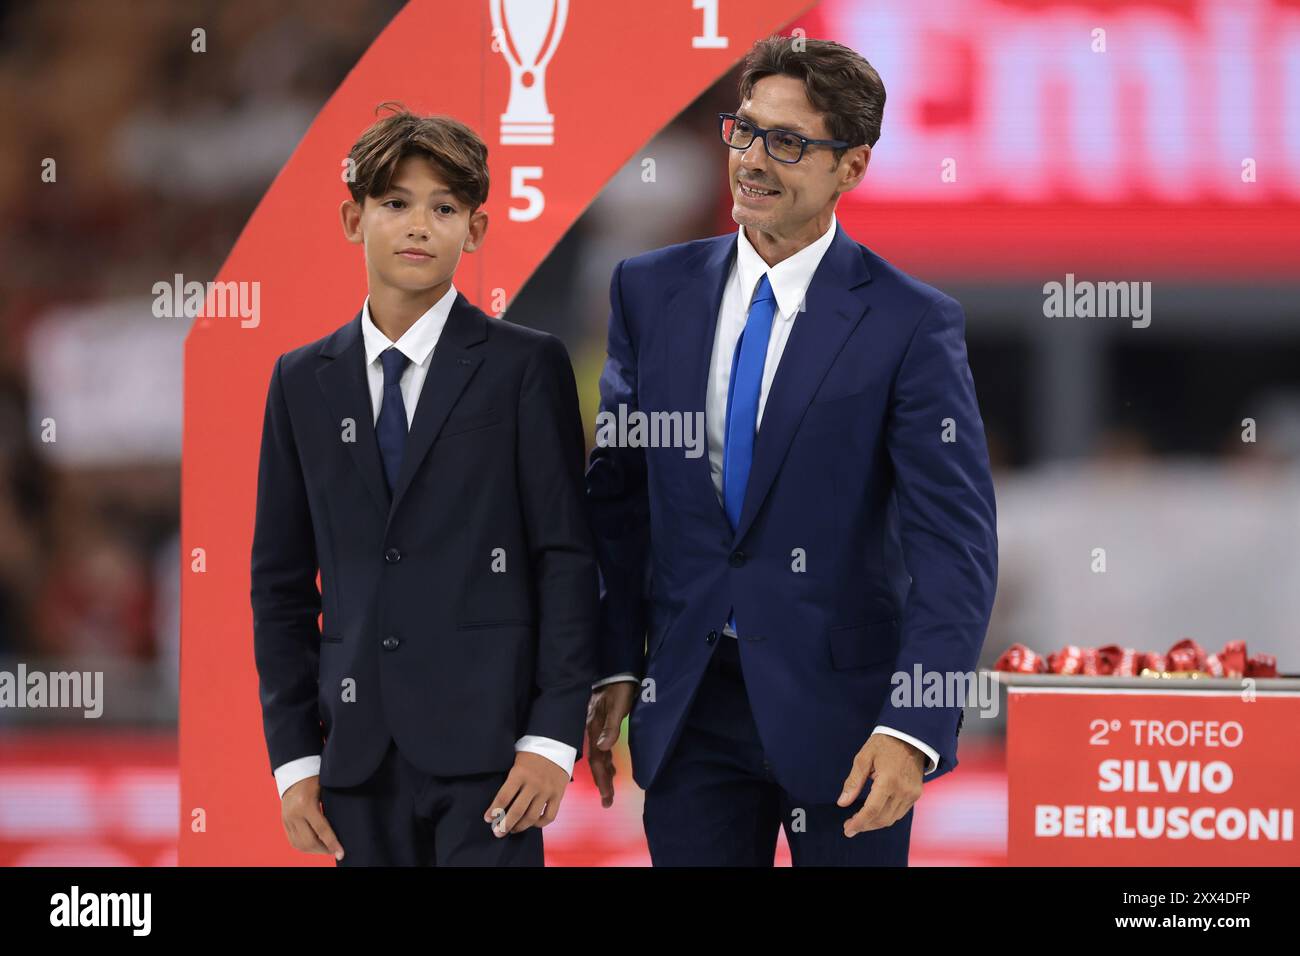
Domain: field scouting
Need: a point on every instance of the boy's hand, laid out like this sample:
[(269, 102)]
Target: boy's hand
[(304, 822), (609, 705), (530, 796)]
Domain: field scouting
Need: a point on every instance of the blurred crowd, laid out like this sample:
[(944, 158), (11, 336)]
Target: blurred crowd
[(159, 156)]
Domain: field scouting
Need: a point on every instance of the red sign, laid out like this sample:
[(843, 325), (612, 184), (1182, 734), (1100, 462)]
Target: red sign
[(1151, 778), (1046, 136)]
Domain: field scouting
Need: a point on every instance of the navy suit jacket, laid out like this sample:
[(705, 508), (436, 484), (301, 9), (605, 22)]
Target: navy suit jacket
[(460, 609), (851, 469)]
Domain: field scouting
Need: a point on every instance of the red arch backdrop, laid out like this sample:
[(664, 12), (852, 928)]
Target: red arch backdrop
[(550, 153)]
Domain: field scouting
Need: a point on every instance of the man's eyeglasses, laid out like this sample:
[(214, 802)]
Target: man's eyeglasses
[(781, 144)]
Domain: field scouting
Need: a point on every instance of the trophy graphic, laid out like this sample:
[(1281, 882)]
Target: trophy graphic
[(520, 27)]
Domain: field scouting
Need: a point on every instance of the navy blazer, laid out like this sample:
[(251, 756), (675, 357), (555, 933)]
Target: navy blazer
[(896, 525), (460, 610)]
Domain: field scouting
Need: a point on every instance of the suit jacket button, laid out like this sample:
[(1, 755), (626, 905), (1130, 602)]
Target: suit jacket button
[(392, 556), (390, 643), (737, 559), (711, 637)]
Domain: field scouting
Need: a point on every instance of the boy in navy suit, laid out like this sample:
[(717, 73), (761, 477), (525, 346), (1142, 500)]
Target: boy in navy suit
[(427, 461)]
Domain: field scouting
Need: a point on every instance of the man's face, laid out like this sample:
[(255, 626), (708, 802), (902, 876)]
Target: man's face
[(798, 191), (415, 232)]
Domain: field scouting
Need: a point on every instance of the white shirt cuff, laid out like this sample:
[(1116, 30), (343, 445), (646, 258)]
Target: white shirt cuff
[(552, 750), (287, 774), (626, 675), (931, 754)]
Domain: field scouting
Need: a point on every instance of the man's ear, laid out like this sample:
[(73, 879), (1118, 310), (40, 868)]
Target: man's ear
[(350, 216), (855, 164), (478, 223)]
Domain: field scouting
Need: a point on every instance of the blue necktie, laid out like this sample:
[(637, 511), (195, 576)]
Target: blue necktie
[(390, 429), (742, 403)]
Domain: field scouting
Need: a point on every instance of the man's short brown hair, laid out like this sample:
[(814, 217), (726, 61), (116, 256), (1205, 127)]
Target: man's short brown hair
[(838, 82), (455, 150)]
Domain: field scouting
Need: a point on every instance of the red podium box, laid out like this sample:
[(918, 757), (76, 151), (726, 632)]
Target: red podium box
[(1117, 771)]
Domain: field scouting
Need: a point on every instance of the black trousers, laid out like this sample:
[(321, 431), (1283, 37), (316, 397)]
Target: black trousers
[(717, 803), (402, 816)]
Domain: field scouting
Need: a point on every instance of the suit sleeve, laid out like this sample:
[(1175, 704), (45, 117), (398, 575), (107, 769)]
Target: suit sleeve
[(286, 601), (618, 499), (947, 519), (561, 554)]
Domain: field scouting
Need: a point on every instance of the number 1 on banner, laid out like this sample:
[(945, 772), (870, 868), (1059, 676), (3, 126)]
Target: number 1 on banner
[(710, 40)]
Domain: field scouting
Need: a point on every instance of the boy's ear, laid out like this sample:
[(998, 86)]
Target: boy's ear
[(350, 216), (478, 223)]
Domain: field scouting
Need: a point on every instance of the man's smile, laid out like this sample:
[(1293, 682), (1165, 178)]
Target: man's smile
[(756, 193)]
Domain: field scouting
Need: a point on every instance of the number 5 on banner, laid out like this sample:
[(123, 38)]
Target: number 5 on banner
[(519, 189)]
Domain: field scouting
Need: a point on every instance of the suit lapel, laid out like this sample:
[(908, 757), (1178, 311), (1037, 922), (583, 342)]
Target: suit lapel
[(833, 312), (693, 311), (451, 367), (347, 395)]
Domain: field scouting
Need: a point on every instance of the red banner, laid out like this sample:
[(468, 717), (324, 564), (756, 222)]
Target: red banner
[(1152, 778), (1158, 138)]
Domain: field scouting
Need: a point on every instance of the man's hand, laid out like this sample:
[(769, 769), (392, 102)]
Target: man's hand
[(304, 821), (895, 769), (530, 796), (609, 704)]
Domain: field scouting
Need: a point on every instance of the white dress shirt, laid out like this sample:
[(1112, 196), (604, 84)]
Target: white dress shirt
[(417, 344), (789, 279)]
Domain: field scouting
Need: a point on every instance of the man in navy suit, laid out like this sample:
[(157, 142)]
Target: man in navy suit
[(756, 603), (427, 461)]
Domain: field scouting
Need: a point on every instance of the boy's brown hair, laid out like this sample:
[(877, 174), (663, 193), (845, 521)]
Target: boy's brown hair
[(456, 151)]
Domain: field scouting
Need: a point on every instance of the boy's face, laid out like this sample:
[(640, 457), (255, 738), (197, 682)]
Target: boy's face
[(415, 232)]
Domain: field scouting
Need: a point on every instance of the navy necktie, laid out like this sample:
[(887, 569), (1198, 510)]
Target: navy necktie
[(390, 429), (742, 403)]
